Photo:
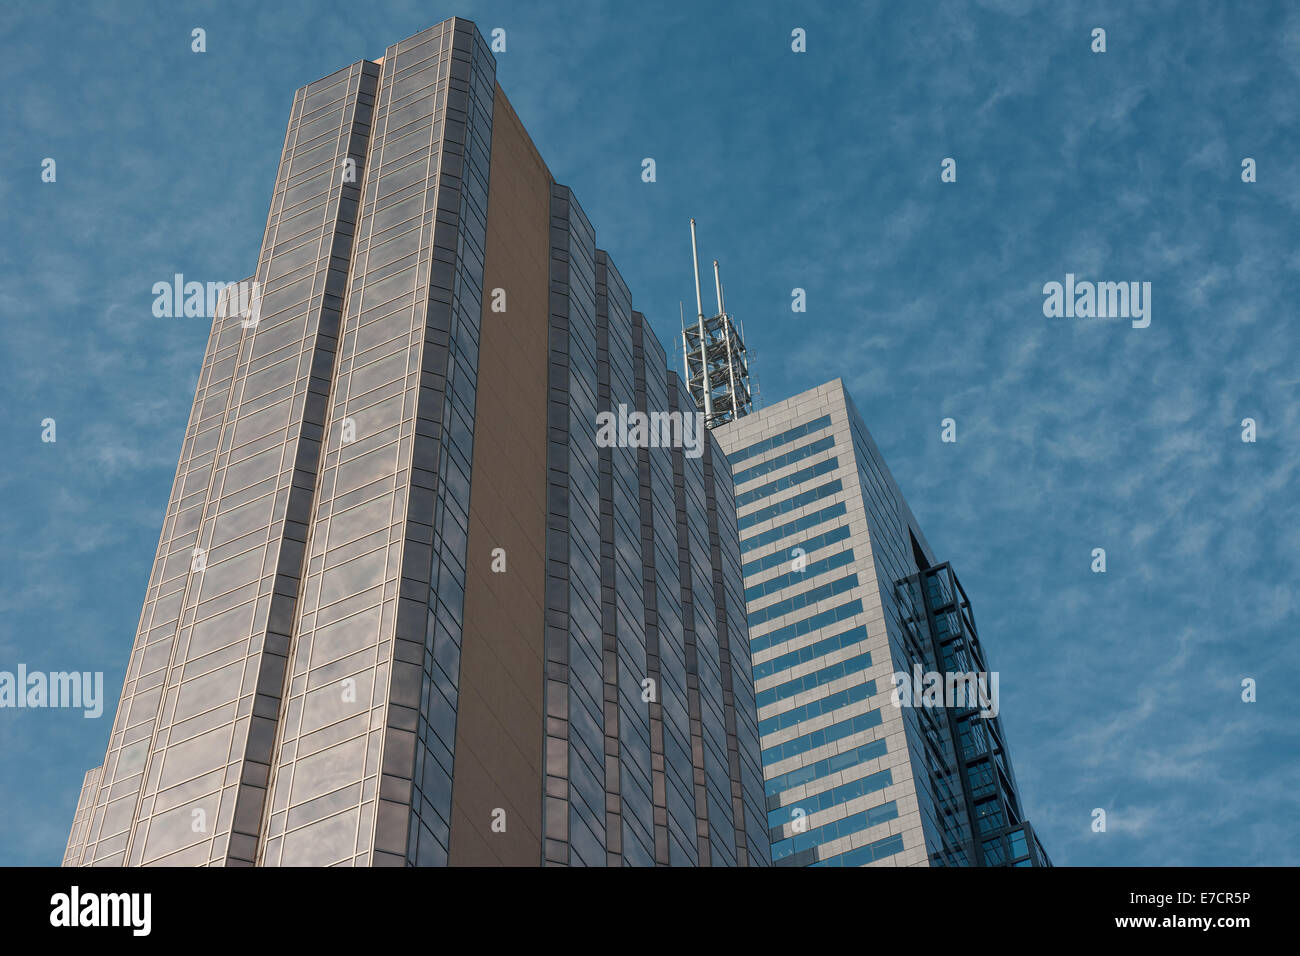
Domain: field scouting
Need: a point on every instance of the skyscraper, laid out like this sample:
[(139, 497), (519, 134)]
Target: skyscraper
[(843, 592), (406, 607)]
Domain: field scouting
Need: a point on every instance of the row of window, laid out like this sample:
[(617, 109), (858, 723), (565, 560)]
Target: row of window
[(791, 527), (810, 652), (828, 765), (789, 504), (799, 575), (807, 625), (796, 601), (845, 792), (823, 705), (815, 679), (789, 481), (780, 461), (867, 854), (785, 437), (818, 738), (815, 543), (853, 823)]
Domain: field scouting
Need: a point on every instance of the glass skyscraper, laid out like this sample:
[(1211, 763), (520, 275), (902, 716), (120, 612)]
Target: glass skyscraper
[(406, 608), (842, 593)]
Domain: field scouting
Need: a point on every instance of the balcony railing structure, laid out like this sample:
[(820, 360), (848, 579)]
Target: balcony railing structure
[(942, 629)]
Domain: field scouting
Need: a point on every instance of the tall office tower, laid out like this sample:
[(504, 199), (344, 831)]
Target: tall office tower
[(842, 592), (408, 607)]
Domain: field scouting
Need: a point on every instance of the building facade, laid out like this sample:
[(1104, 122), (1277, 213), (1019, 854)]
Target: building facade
[(842, 593), (407, 608)]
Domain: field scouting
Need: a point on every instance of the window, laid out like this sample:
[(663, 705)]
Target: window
[(767, 444), (815, 771), (867, 854), (853, 823), (805, 654), (799, 628), (785, 530), (789, 504), (789, 481), (797, 601), (780, 461), (809, 572), (782, 556), (816, 679), (825, 735), (788, 718)]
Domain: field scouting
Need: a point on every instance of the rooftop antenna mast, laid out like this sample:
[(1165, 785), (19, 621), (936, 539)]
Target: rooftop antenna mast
[(705, 389), (686, 366), (714, 356)]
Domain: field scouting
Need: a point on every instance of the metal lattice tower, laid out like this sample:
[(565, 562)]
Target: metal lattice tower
[(714, 357)]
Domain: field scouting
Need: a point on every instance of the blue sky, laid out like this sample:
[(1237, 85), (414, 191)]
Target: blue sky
[(819, 171)]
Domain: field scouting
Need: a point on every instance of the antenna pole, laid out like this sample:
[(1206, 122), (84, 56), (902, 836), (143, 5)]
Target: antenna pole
[(699, 309), (695, 258), (686, 349), (726, 337)]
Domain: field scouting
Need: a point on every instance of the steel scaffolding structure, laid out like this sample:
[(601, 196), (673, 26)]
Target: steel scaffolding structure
[(714, 358)]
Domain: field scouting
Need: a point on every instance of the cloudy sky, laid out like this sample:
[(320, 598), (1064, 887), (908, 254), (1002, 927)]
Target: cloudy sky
[(816, 170)]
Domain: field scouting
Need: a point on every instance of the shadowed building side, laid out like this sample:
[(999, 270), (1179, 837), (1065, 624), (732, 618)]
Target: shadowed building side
[(499, 722)]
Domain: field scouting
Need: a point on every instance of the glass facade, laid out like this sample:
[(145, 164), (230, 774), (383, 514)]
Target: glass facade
[(651, 744), (366, 776), (842, 593), (301, 690), (185, 776)]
